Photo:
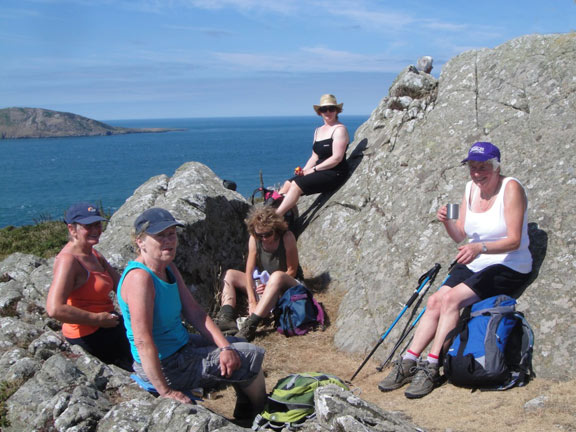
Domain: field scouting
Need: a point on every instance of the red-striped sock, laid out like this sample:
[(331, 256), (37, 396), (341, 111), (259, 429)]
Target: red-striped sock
[(432, 359), (410, 355)]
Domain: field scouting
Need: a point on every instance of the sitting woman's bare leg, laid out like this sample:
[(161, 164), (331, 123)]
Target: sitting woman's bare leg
[(278, 283), (285, 187), (290, 200), (233, 281), (256, 393), (427, 374), (426, 329), (457, 298)]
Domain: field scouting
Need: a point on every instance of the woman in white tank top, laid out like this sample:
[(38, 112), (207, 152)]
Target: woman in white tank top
[(495, 260)]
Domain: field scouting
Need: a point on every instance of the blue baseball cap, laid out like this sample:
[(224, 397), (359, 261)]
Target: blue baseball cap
[(83, 213), (154, 221), (483, 151)]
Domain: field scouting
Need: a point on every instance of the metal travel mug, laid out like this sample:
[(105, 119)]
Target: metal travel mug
[(452, 211)]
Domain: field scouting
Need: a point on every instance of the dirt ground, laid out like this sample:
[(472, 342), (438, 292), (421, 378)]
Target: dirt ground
[(448, 408)]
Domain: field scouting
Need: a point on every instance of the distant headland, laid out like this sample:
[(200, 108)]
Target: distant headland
[(43, 123)]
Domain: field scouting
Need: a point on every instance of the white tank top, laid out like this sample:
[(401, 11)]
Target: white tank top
[(491, 226)]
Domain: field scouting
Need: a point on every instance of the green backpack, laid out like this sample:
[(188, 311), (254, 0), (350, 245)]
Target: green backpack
[(292, 400)]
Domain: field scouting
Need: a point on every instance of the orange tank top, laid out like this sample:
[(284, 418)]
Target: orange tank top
[(92, 296)]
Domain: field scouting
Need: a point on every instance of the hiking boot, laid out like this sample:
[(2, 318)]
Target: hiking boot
[(404, 370), (248, 330), (427, 377), (226, 320)]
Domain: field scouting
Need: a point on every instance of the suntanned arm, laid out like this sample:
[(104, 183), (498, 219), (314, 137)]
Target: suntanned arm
[(138, 292), (291, 253), (195, 315), (250, 266)]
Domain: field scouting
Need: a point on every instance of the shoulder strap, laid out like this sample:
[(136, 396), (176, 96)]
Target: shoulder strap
[(336, 127)]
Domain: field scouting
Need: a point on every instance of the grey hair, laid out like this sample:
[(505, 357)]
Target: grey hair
[(495, 163)]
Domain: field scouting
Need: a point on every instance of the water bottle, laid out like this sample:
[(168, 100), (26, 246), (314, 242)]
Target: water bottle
[(260, 278)]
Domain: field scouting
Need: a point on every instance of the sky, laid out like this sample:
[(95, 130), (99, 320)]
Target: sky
[(140, 59)]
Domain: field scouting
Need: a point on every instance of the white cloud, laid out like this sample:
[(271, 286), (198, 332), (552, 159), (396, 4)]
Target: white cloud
[(309, 59)]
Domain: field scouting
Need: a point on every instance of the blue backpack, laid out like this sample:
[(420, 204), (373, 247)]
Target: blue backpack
[(298, 312), (491, 346)]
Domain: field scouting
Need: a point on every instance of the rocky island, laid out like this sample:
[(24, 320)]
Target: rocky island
[(43, 123)]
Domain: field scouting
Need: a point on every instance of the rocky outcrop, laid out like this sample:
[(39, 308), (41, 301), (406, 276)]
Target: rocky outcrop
[(378, 233), (43, 123), (214, 238)]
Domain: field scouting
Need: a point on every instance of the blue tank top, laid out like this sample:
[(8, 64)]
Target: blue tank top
[(167, 330)]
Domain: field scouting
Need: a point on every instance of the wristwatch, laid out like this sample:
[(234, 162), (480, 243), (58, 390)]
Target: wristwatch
[(484, 248)]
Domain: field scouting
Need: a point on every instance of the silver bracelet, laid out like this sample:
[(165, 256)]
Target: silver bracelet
[(228, 348)]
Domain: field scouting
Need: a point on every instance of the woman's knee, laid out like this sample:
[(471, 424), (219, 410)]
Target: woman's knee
[(434, 303), (457, 298)]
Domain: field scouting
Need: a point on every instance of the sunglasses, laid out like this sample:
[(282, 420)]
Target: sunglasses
[(325, 109), (264, 235)]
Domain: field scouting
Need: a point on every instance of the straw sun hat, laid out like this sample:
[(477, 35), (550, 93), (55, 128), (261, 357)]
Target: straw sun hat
[(328, 100)]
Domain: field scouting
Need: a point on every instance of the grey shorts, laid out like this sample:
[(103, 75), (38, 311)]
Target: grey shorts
[(197, 364)]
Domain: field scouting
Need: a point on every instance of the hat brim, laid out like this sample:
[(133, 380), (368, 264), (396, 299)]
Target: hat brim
[(90, 219), (157, 228), (477, 158), (317, 107)]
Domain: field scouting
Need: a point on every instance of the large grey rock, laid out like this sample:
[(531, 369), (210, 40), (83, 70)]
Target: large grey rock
[(214, 238), (341, 410), (376, 235)]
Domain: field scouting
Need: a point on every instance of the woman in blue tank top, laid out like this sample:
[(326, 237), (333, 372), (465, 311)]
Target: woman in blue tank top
[(154, 298), (326, 168)]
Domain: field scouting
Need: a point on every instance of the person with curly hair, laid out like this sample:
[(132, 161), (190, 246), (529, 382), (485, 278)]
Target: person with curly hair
[(271, 248)]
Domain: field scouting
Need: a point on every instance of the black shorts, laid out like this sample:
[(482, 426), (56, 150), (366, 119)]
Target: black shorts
[(320, 181), (493, 280), (110, 345)]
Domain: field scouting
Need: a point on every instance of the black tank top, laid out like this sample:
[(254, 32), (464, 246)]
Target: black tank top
[(323, 149)]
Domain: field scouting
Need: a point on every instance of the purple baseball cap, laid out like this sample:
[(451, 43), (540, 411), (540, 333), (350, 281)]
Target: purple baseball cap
[(482, 151), (154, 221), (83, 213)]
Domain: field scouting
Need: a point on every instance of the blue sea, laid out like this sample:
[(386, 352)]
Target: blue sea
[(40, 178)]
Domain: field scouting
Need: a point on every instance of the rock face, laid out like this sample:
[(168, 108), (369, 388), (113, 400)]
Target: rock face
[(378, 233), (43, 123), (213, 240)]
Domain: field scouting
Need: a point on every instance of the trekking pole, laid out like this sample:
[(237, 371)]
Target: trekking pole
[(410, 327), (425, 279), (262, 186)]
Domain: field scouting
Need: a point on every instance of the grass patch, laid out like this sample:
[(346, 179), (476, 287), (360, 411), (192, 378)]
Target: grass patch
[(7, 389), (44, 239)]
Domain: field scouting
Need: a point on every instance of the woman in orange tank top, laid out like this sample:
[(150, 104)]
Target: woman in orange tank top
[(79, 295)]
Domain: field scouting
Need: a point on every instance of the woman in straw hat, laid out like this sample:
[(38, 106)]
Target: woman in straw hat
[(326, 169)]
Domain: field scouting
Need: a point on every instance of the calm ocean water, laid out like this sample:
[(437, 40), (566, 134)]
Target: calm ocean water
[(40, 178)]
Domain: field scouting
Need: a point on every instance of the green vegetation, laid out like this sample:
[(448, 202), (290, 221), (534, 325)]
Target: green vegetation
[(44, 239), (7, 389)]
